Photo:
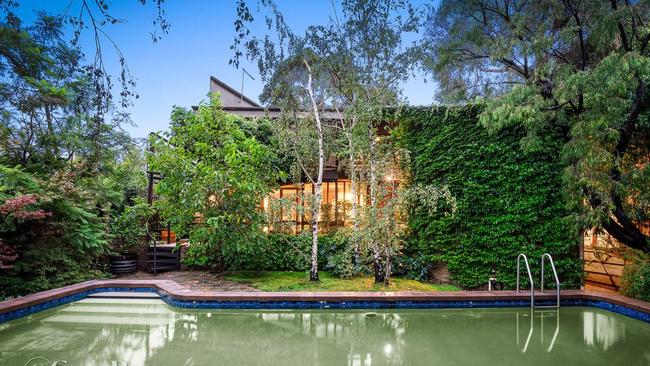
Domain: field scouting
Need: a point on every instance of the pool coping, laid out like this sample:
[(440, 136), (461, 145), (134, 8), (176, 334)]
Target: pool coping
[(177, 295)]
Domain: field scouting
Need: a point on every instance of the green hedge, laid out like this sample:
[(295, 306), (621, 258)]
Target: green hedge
[(635, 281), (509, 200), (46, 266), (283, 252)]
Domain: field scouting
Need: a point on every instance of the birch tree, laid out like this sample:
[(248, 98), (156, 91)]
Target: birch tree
[(318, 195), (369, 58), (363, 58), (299, 87)]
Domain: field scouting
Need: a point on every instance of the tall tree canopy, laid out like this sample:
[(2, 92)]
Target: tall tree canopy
[(579, 66), (352, 66), (56, 105), (67, 167), (216, 174)]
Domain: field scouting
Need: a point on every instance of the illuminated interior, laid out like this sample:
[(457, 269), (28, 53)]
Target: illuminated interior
[(288, 207)]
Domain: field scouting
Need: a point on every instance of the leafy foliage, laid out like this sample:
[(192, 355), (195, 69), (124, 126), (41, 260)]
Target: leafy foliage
[(51, 232), (34, 210), (507, 201), (635, 281), (215, 177), (48, 265), (581, 65), (66, 164), (130, 226), (285, 252)]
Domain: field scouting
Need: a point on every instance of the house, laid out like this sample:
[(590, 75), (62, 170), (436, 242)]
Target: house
[(602, 265), (336, 188)]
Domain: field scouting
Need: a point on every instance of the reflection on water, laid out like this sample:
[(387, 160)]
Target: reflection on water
[(602, 331), (147, 332)]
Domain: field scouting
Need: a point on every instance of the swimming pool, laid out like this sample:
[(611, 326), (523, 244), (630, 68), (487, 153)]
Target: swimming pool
[(120, 332)]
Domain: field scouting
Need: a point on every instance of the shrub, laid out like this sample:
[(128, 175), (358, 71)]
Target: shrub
[(130, 225), (635, 281), (336, 254), (284, 252), (45, 267), (277, 252), (52, 230), (508, 199)]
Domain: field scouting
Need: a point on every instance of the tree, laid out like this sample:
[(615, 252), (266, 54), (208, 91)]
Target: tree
[(66, 164), (360, 60), (82, 17), (296, 80), (368, 57), (579, 66), (303, 76), (215, 176)]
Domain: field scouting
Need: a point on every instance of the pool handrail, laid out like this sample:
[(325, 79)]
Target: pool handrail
[(530, 278), (557, 280)]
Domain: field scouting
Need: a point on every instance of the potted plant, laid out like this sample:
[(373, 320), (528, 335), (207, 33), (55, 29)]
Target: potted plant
[(129, 227)]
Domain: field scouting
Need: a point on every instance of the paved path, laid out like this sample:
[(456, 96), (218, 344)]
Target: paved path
[(194, 280)]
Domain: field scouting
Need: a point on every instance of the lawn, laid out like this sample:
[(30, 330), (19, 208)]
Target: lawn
[(299, 281)]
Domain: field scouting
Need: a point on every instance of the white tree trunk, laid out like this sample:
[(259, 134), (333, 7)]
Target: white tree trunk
[(353, 189), (318, 196), (379, 271)]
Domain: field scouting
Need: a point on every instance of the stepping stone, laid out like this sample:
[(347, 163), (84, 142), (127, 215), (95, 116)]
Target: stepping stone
[(121, 302), (107, 320), (124, 295), (116, 310)]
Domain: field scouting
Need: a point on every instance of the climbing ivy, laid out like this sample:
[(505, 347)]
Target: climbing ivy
[(509, 200)]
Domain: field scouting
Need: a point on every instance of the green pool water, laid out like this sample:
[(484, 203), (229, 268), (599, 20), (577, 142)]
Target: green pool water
[(132, 332)]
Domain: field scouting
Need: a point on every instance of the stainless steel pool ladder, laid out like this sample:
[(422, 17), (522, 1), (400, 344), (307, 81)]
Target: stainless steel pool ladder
[(557, 281), (530, 278), (532, 283)]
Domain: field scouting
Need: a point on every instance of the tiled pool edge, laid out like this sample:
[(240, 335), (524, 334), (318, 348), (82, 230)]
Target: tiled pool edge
[(178, 296)]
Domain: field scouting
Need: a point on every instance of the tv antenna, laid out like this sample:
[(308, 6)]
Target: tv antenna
[(241, 94)]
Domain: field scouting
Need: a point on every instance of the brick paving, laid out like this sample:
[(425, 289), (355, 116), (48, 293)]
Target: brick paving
[(194, 280)]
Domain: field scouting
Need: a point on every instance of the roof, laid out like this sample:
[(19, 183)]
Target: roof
[(233, 92)]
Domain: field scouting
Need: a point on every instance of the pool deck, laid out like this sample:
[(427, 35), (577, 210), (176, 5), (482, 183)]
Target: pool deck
[(177, 292)]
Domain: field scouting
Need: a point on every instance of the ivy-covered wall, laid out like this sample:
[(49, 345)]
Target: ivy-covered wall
[(509, 200)]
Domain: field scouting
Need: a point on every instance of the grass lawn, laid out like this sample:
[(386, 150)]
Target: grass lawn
[(299, 281)]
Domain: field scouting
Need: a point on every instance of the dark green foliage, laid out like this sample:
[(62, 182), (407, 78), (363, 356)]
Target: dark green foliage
[(216, 173), (584, 65), (278, 252), (635, 281), (509, 200), (130, 226), (284, 252), (46, 266)]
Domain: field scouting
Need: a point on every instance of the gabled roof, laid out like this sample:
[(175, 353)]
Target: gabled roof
[(234, 99)]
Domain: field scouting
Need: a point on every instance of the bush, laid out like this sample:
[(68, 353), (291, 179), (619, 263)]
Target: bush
[(284, 252), (635, 281), (277, 252), (52, 231), (336, 254), (45, 268), (130, 226), (508, 199)]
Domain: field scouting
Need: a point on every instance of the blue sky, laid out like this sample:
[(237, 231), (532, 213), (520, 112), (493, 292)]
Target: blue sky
[(176, 69)]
